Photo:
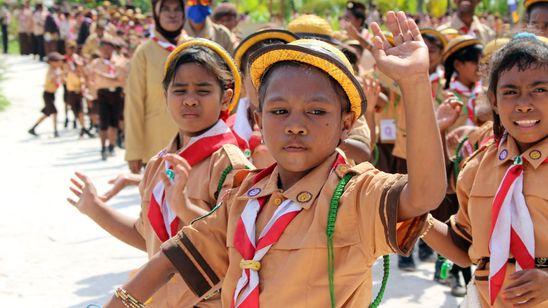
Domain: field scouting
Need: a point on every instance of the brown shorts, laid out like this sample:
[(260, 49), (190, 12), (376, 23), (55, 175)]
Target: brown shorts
[(49, 100), (74, 99), (110, 107)]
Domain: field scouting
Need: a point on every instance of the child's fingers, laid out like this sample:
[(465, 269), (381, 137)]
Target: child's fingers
[(414, 29), (379, 41), (165, 180), (518, 295), (72, 202), (392, 24), (402, 23), (82, 177), (76, 183), (75, 191)]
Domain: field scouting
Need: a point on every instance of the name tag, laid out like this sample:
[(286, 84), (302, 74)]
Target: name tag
[(388, 130)]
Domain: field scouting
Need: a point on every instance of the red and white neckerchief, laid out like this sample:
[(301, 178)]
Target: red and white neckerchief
[(160, 214), (70, 61), (436, 77), (465, 93), (511, 226), (164, 44), (57, 79), (110, 66), (241, 127), (246, 294)]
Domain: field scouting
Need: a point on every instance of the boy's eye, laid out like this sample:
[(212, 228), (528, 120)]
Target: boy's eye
[(509, 92), (317, 112), (203, 92), (279, 111), (539, 90)]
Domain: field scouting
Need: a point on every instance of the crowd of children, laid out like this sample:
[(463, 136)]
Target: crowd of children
[(312, 152)]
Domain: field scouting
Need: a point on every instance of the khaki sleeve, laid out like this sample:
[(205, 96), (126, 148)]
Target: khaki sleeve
[(199, 252), (224, 38), (360, 132), (221, 180), (145, 199), (378, 196), (460, 227), (134, 109)]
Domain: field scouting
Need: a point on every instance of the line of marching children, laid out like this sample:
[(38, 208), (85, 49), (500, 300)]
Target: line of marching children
[(305, 229)]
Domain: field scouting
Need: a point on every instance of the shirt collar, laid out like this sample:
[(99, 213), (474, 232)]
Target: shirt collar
[(305, 191), (535, 155), (206, 32)]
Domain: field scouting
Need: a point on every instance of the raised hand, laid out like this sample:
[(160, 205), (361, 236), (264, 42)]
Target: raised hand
[(409, 56), (448, 112), (84, 189), (174, 187), (119, 183), (372, 90)]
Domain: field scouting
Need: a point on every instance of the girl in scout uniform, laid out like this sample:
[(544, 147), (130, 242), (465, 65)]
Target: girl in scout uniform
[(500, 225), (200, 82), (310, 216), (54, 79), (436, 43)]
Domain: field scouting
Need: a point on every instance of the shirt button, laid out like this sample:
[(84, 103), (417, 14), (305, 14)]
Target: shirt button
[(277, 201)]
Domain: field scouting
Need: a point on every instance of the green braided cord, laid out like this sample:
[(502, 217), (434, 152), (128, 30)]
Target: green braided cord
[(222, 180), (376, 155), (458, 157), (216, 207), (330, 230), (385, 275)]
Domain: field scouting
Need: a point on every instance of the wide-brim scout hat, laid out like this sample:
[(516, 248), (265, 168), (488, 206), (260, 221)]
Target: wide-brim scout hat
[(492, 47), (316, 53), (459, 43), (237, 88), (528, 3), (54, 57), (436, 34), (312, 26), (449, 33), (109, 41), (260, 36)]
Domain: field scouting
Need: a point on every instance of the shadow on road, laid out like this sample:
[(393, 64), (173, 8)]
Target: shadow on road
[(99, 288)]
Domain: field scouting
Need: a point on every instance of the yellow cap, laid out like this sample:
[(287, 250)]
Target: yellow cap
[(449, 33), (528, 3), (437, 34), (459, 43), (222, 53), (315, 53), (308, 26), (492, 47), (259, 36)]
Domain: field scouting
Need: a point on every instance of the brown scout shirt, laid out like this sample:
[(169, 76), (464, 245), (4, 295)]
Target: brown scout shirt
[(294, 272), (53, 80), (101, 82), (200, 189), (477, 185)]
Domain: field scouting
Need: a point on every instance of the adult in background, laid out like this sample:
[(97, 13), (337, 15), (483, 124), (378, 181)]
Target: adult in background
[(5, 19), (536, 16), (24, 29), (226, 14), (200, 25), (466, 22), (39, 20), (51, 31), (148, 125)]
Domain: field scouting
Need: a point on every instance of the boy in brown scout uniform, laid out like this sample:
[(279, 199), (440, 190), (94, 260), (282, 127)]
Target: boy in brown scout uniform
[(309, 102), (54, 77), (203, 141), (109, 78)]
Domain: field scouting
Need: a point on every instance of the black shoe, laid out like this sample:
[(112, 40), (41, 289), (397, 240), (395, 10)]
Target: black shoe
[(32, 132), (74, 124), (406, 264), (84, 131), (104, 154), (55, 135), (111, 150), (426, 253), (66, 122), (457, 289)]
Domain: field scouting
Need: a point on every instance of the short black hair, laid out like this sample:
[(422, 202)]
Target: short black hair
[(523, 53), (244, 61), (266, 77), (433, 40), (204, 57), (532, 7)]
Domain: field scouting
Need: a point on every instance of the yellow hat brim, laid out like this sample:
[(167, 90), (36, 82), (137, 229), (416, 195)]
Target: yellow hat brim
[(435, 33), (222, 53), (527, 3), (458, 44), (268, 34), (315, 53)]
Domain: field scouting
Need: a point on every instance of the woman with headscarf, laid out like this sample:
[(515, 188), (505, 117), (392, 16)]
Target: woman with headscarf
[(148, 126)]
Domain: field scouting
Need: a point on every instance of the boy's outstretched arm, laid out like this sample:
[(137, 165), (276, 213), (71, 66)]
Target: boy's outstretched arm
[(148, 280), (407, 63)]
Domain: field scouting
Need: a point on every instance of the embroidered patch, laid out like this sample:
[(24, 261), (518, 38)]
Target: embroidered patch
[(304, 197), (503, 154), (253, 192), (536, 154)]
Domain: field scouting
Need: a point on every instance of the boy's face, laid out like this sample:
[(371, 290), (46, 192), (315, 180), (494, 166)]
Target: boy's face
[(56, 64), (302, 120), (106, 50), (468, 71), (195, 99), (522, 104), (538, 18)]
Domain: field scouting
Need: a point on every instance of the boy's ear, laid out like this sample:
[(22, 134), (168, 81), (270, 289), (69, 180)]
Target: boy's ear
[(493, 101), (225, 100), (458, 65), (348, 120), (257, 115)]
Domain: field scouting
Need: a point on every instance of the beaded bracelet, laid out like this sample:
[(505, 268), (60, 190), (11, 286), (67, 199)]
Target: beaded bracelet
[(430, 224), (127, 299)]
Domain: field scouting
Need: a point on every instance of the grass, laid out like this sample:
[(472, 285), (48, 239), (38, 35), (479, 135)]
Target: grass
[(4, 103)]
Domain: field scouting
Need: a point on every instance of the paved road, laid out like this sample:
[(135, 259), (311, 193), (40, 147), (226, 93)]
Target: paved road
[(52, 256)]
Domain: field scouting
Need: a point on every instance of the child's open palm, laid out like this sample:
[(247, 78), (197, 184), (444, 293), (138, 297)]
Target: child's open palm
[(84, 189), (409, 55)]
